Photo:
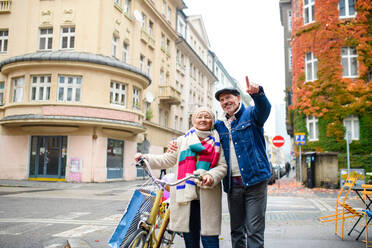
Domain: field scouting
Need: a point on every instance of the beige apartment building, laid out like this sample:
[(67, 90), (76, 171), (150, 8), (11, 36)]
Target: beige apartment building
[(84, 85)]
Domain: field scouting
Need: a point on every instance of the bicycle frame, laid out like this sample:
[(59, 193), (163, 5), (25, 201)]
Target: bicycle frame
[(154, 239)]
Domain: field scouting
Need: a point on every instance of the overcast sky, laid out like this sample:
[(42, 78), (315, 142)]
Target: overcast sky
[(247, 37)]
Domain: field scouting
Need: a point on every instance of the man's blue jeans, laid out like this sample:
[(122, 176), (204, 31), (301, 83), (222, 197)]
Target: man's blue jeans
[(192, 238), (247, 207)]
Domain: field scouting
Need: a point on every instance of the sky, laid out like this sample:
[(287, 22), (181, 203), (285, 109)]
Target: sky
[(247, 37)]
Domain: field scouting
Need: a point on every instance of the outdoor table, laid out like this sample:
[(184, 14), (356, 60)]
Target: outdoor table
[(359, 191)]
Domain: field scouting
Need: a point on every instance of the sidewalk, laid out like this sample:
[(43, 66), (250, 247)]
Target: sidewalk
[(305, 230)]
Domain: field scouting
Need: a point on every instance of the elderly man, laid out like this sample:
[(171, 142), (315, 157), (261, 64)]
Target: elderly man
[(243, 143)]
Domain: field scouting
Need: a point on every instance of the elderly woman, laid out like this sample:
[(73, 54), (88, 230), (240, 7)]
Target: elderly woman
[(196, 208)]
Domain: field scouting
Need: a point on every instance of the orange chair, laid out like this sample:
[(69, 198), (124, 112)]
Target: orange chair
[(347, 210), (367, 194)]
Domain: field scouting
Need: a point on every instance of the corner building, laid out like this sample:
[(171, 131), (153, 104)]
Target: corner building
[(78, 83)]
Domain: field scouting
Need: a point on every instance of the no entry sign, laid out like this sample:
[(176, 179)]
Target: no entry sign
[(278, 141)]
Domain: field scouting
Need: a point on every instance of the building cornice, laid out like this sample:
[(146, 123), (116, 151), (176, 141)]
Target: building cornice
[(73, 56)]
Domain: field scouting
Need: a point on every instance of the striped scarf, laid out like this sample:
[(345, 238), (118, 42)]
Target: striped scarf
[(195, 155)]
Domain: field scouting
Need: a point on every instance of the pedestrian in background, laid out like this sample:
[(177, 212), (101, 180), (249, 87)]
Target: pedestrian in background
[(248, 169), (163, 172), (196, 210), (287, 168)]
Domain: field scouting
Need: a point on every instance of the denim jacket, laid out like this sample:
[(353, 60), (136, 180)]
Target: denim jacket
[(248, 138)]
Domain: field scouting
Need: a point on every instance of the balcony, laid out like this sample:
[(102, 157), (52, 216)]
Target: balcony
[(169, 95), (5, 6), (180, 68), (144, 36), (151, 43)]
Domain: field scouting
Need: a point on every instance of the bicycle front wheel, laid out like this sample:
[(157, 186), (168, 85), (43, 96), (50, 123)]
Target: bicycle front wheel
[(167, 240), (136, 239)]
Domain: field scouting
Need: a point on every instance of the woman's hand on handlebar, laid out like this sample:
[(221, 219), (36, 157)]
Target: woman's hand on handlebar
[(138, 156), (207, 180)]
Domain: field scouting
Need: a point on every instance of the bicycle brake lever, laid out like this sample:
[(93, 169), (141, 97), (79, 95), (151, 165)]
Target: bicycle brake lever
[(197, 175)]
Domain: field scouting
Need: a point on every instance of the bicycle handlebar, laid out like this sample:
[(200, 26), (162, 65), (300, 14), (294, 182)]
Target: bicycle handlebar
[(143, 162)]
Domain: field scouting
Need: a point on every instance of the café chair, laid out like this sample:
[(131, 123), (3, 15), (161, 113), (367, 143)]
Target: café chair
[(347, 211), (367, 193)]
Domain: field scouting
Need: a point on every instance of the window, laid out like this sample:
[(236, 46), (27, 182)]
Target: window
[(127, 6), (161, 78), (117, 2), (347, 8), (181, 123), (40, 88), (312, 127), (351, 124), (149, 63), (135, 98), (167, 46), (181, 29), (167, 79), (125, 52), (169, 14), (118, 94), (68, 38), (176, 122), (151, 26), (308, 11), (115, 45), (3, 41), (69, 88), (45, 39), (141, 63), (162, 41), (311, 67), (289, 20), (163, 7), (165, 118), (1, 93), (160, 113), (290, 58), (349, 62), (18, 88), (143, 24)]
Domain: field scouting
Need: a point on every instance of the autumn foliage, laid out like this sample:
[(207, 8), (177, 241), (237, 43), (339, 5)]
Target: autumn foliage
[(331, 96)]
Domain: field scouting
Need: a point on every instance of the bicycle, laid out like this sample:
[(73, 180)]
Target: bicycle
[(147, 235)]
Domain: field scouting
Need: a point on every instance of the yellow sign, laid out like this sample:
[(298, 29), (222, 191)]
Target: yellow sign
[(299, 134)]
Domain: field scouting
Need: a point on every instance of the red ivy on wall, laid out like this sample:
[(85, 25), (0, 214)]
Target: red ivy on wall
[(331, 95)]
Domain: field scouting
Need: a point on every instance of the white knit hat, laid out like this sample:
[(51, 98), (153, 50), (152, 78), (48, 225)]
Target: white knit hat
[(203, 109)]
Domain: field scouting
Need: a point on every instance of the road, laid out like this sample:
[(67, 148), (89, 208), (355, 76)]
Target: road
[(37, 214)]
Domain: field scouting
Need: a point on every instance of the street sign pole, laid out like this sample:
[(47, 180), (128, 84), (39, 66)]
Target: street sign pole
[(300, 140), (300, 167)]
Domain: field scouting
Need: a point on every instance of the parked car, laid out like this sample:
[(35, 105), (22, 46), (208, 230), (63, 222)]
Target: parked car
[(273, 177), (280, 168)]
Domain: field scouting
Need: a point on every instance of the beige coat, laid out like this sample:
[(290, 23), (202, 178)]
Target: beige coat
[(210, 197)]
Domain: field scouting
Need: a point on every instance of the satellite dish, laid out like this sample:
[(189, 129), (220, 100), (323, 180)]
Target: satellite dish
[(137, 15), (149, 97)]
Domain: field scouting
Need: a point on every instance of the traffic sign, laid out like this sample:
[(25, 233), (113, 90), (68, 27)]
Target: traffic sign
[(278, 141), (300, 139)]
